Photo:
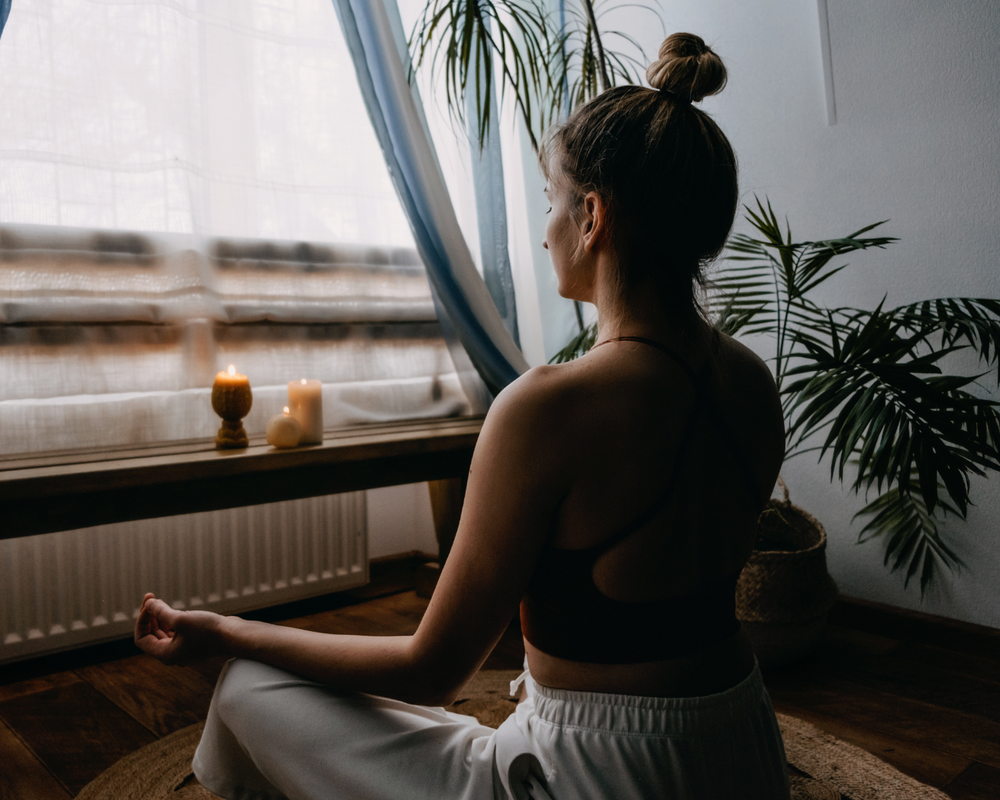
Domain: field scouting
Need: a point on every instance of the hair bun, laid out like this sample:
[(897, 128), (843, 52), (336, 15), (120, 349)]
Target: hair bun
[(687, 68)]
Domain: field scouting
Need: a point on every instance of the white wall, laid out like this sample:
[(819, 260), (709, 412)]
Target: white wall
[(399, 521), (916, 142)]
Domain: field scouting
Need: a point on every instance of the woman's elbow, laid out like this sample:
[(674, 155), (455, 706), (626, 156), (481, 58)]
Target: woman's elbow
[(434, 680), (434, 699), (426, 691)]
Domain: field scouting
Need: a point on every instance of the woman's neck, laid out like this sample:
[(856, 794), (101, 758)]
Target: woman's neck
[(644, 316), (639, 310)]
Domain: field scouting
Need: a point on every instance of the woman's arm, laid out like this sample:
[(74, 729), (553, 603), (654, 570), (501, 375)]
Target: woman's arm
[(521, 470), (362, 663)]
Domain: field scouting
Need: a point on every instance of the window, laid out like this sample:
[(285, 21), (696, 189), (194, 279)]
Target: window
[(185, 185)]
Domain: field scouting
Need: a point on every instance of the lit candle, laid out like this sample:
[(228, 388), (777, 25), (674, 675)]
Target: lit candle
[(305, 399), (283, 430), (231, 399)]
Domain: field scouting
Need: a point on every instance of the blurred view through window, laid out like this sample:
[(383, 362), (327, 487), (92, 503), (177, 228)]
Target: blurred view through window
[(190, 184)]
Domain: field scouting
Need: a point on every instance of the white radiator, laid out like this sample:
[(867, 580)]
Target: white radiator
[(63, 590)]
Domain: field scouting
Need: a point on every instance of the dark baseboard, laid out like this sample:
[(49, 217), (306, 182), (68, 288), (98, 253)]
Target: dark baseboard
[(915, 626), (392, 574)]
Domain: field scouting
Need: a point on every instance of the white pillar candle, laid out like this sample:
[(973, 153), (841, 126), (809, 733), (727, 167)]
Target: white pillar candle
[(305, 399), (283, 430)]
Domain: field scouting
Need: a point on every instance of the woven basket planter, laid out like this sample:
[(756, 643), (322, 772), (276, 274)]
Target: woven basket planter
[(785, 593)]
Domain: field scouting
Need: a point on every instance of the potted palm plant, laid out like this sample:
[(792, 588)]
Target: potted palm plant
[(865, 388)]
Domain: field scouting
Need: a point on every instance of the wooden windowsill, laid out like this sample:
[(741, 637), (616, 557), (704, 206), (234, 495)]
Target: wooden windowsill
[(77, 489)]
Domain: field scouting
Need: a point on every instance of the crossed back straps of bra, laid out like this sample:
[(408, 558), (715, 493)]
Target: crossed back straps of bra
[(701, 401), (564, 614)]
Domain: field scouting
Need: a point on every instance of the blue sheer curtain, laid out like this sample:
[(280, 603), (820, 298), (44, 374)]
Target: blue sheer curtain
[(467, 311), (491, 204), (4, 13)]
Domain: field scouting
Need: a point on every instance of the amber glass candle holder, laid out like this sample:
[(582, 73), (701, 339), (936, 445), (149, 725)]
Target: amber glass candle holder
[(231, 399)]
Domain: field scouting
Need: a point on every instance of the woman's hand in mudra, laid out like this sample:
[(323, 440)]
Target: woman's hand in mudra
[(177, 637)]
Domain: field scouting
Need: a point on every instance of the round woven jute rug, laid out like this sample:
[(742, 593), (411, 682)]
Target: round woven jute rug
[(822, 766), (159, 771)]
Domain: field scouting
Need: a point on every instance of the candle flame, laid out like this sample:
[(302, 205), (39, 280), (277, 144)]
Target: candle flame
[(303, 381), (286, 410), (232, 370)]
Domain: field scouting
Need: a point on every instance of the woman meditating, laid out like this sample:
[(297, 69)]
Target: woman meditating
[(614, 499)]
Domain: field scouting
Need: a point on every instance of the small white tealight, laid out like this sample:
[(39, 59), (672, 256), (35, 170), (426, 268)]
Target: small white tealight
[(283, 430)]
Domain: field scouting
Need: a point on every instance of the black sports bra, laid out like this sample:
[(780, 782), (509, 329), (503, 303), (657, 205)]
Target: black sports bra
[(564, 614)]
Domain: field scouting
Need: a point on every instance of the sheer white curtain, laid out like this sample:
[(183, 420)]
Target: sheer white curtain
[(186, 184), (218, 117)]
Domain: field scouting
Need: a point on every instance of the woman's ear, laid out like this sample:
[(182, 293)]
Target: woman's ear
[(593, 221)]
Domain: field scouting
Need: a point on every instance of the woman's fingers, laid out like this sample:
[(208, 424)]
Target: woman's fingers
[(176, 636), (164, 616), (155, 624), (145, 622)]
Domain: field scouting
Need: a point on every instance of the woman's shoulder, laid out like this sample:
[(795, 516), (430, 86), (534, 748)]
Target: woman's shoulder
[(531, 432), (551, 407), (748, 395), (541, 397), (739, 366)]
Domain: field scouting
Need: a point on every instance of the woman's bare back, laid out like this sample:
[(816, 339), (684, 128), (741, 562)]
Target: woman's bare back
[(715, 441)]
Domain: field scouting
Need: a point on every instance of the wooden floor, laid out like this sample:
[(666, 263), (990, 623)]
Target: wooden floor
[(920, 693)]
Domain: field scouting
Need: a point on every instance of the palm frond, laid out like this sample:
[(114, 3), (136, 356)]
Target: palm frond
[(732, 318), (910, 534), (463, 39), (891, 407), (546, 70), (578, 346), (575, 67), (972, 321), (765, 280), (867, 386)]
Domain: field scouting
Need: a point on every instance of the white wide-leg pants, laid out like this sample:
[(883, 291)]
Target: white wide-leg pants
[(271, 734)]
